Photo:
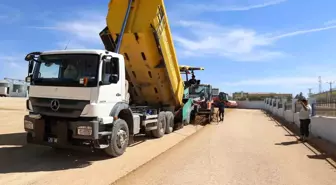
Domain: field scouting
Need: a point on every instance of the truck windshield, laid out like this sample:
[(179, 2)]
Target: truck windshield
[(198, 89), (66, 70)]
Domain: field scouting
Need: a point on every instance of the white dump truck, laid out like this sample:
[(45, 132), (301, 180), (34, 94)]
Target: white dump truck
[(101, 98)]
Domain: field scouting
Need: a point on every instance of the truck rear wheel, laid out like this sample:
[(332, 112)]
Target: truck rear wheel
[(169, 122), (161, 125), (119, 139)]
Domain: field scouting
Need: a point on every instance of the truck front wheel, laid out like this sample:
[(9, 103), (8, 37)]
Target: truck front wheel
[(119, 139), (161, 125)]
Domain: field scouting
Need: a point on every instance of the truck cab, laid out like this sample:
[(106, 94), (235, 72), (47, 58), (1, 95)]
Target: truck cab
[(92, 81), (75, 96)]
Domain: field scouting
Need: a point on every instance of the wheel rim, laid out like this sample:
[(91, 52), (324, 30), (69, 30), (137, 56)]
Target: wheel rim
[(121, 138)]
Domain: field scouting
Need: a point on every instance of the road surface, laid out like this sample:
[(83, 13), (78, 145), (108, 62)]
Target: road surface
[(22, 164), (248, 148)]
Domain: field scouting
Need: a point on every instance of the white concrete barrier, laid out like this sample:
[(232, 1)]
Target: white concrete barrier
[(289, 116), (274, 110), (296, 119), (251, 104), (322, 126)]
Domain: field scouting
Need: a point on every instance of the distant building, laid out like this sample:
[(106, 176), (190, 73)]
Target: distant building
[(258, 95), (4, 88), (14, 87)]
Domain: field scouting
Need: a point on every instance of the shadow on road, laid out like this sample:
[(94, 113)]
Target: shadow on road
[(319, 156), (30, 158), (287, 143), (140, 139), (13, 139), (26, 158), (315, 145), (292, 135)]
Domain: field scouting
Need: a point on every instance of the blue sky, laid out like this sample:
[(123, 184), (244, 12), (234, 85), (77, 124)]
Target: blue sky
[(249, 45)]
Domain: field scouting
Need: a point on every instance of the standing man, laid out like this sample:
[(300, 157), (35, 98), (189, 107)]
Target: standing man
[(304, 116), (221, 107)]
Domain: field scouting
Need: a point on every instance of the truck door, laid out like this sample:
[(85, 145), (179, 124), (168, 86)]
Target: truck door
[(112, 83)]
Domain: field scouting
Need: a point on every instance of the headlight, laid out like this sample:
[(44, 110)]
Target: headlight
[(84, 130), (29, 125)]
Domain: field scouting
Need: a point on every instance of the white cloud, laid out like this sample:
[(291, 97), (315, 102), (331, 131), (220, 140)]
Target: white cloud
[(275, 81), (239, 44), (82, 28), (290, 79), (301, 32), (294, 83), (222, 7), (13, 66), (290, 84), (11, 61)]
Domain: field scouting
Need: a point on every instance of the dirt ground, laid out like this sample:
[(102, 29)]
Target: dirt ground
[(30, 164)]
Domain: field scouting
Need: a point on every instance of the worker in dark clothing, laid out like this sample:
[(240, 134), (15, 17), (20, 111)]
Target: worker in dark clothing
[(193, 80), (221, 107)]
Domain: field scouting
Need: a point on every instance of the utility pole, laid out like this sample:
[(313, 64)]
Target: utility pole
[(330, 89), (309, 92), (320, 84)]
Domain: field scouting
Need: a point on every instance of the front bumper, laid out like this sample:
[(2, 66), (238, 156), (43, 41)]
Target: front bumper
[(60, 132)]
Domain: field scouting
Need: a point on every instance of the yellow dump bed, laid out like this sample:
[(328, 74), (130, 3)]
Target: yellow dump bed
[(147, 45)]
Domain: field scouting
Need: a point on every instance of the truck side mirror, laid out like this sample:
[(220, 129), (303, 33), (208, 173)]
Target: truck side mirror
[(114, 78), (28, 79), (30, 67), (29, 57)]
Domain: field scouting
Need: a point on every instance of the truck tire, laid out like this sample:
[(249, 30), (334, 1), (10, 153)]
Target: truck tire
[(149, 133), (161, 125), (119, 139), (169, 122), (209, 118), (192, 117)]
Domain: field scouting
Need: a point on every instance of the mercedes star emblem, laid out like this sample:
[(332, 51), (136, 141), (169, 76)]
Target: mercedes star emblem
[(54, 105)]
